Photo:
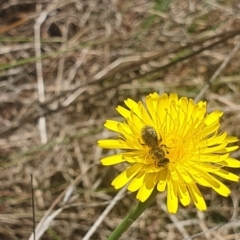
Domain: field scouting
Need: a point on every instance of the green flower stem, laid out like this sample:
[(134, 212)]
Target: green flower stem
[(132, 216)]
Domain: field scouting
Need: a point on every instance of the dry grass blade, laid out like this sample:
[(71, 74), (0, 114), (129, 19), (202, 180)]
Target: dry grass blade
[(217, 73), (42, 228), (114, 201)]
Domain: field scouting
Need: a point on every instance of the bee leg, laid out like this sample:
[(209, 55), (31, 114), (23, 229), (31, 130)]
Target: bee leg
[(165, 147)]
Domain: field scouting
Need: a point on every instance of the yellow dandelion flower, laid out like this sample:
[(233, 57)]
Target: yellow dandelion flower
[(171, 144)]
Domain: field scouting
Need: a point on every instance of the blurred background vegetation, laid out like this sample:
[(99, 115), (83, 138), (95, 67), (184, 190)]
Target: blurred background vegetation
[(64, 67)]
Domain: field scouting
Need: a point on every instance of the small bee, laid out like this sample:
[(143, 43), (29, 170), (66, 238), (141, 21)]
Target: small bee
[(150, 138)]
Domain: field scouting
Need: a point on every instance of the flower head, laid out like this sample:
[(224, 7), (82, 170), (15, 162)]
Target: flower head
[(171, 144)]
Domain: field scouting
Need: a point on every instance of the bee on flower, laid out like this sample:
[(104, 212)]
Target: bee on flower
[(172, 144), (150, 138)]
